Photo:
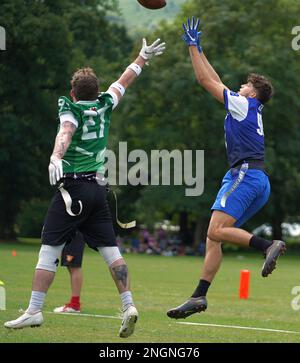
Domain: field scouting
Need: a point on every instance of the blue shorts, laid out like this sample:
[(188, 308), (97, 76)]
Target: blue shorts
[(242, 195)]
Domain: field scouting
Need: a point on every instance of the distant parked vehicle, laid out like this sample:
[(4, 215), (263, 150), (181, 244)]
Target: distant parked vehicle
[(288, 230)]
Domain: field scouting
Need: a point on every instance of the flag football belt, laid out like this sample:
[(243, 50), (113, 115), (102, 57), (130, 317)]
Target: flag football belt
[(85, 176), (242, 172), (100, 179), (252, 164), (241, 169)]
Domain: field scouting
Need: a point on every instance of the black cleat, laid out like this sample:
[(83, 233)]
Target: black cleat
[(276, 249), (191, 306)]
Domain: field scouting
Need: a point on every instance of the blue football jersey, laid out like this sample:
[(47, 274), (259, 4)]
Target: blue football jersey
[(244, 133)]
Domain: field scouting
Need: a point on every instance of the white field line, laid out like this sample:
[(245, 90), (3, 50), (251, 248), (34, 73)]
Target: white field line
[(80, 314), (186, 323), (241, 327)]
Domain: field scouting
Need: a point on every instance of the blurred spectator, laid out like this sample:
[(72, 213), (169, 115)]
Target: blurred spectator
[(181, 250), (162, 238), (135, 244), (120, 241), (153, 246), (201, 248), (160, 242), (144, 239)]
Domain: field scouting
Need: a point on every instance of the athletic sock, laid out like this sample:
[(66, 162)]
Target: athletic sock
[(36, 302), (201, 289), (126, 298), (259, 243), (75, 301)]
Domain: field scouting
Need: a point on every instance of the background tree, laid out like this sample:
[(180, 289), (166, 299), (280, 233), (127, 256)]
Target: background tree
[(172, 111), (165, 109), (46, 42)]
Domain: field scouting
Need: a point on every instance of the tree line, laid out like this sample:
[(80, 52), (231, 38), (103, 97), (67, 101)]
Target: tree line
[(164, 109)]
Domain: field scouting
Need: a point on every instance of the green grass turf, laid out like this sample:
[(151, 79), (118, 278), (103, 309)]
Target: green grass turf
[(158, 283)]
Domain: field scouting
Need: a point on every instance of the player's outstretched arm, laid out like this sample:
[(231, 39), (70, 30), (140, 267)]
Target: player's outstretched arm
[(134, 69), (204, 72), (214, 87), (212, 73), (62, 142)]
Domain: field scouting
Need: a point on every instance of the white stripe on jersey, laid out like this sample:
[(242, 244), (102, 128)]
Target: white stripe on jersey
[(68, 116), (238, 106)]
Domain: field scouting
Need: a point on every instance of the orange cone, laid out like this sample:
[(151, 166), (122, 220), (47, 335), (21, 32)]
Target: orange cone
[(244, 284), (14, 253)]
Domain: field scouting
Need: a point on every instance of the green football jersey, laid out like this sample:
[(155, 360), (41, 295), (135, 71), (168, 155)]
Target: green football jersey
[(86, 152)]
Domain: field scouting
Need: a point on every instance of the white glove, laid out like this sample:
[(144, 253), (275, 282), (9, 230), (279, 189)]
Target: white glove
[(55, 170), (148, 51)]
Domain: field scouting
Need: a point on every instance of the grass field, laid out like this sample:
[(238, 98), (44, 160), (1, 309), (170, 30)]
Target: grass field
[(158, 283)]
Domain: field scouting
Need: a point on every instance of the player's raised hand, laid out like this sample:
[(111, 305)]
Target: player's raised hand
[(191, 34), (55, 170), (149, 51)]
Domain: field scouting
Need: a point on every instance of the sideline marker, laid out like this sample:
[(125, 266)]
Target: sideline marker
[(244, 284)]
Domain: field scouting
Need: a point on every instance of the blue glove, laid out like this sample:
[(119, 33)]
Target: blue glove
[(191, 34)]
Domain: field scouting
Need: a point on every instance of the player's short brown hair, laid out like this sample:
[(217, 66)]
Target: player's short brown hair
[(85, 84), (262, 86)]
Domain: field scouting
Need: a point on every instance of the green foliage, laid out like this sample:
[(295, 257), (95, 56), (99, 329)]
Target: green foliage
[(164, 109), (30, 220), (46, 42), (173, 111)]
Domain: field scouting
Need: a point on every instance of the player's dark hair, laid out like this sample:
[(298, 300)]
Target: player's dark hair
[(85, 84), (262, 86)]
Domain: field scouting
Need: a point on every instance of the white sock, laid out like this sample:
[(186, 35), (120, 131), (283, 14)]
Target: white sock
[(126, 298), (36, 302)]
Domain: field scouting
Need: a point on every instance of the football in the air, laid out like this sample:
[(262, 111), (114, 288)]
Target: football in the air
[(153, 4)]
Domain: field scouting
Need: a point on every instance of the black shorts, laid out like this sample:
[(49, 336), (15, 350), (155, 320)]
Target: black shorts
[(72, 253), (94, 222)]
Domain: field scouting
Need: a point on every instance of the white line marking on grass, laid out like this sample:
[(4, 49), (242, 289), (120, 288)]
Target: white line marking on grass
[(241, 327), (80, 314)]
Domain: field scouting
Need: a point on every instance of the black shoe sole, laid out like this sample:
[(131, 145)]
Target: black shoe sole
[(181, 314), (131, 325), (269, 267)]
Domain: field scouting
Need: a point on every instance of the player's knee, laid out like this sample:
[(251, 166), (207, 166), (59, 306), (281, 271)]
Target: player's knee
[(49, 257), (110, 254), (214, 233)]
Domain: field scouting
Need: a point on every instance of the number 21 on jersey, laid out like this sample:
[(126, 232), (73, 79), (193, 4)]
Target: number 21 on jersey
[(93, 119)]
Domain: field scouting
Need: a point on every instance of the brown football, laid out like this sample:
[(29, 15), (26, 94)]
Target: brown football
[(153, 4)]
